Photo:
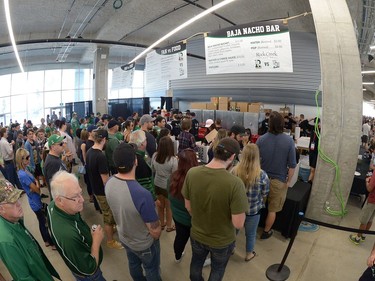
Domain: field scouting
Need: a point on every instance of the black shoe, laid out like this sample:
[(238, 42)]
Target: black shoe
[(43, 196), (266, 235)]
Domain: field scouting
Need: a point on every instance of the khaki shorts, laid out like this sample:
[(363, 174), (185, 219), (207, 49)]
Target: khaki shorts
[(367, 213), (277, 195), (107, 212)]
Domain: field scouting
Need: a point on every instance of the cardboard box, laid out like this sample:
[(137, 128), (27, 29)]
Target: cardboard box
[(243, 106), (225, 100), (211, 106), (255, 107), (232, 105), (198, 105), (223, 106), (215, 100)]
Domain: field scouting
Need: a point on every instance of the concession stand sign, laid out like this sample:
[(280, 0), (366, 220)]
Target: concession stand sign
[(169, 63), (122, 77), (253, 47)]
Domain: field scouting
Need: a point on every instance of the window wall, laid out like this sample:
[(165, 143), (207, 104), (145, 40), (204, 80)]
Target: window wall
[(33, 95)]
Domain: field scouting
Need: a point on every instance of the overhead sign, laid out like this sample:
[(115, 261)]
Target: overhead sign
[(254, 47), (122, 77), (169, 63)]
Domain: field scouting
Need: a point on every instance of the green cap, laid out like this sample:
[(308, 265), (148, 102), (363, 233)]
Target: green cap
[(8, 194), (55, 139)]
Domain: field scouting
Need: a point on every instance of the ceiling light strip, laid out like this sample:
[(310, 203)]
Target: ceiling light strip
[(10, 29), (185, 24), (367, 83), (368, 72)]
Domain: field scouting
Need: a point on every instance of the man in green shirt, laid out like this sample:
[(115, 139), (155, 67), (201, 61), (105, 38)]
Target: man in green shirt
[(111, 145), (19, 250), (78, 245), (217, 203)]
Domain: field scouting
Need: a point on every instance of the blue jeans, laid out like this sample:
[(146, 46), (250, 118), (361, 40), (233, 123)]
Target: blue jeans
[(251, 225), (42, 227), (149, 259), (219, 260), (97, 276)]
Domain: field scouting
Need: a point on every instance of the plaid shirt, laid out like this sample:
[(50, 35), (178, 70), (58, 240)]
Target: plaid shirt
[(256, 194), (186, 140)]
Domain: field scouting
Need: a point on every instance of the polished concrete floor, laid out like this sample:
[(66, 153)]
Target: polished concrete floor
[(326, 254)]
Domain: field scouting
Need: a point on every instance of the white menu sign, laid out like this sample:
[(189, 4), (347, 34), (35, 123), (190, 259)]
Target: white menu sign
[(122, 77), (254, 47), (167, 63)]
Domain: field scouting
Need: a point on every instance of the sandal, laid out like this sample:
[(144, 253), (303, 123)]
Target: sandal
[(249, 257), (163, 227), (170, 229)]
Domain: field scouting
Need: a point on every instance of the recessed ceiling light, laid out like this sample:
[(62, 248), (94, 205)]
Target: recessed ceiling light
[(364, 89)]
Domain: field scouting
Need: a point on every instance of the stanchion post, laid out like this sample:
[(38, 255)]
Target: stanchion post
[(280, 272)]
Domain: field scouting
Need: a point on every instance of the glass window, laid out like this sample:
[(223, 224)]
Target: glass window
[(138, 79), (70, 79), (19, 83), (125, 93), (113, 94), (85, 78), (68, 96), (52, 99), (5, 105), (5, 85), (35, 81), (35, 109), (18, 107), (138, 93), (52, 80)]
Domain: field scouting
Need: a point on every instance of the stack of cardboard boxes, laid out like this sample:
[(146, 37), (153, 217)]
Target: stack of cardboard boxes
[(226, 103)]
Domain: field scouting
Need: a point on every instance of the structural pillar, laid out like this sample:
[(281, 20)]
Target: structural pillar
[(100, 87), (341, 106)]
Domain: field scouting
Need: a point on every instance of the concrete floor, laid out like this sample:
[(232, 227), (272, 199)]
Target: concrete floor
[(326, 254)]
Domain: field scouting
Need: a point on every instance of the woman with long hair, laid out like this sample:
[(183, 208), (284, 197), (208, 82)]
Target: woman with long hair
[(186, 160), (32, 189), (164, 163), (257, 188), (221, 133), (128, 129)]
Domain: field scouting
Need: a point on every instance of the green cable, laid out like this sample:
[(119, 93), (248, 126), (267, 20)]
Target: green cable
[(336, 184)]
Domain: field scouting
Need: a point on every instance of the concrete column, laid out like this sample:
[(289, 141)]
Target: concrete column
[(341, 105), (100, 87)]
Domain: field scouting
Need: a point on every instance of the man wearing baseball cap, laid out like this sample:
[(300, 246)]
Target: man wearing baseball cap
[(53, 161), (19, 250), (111, 145), (147, 123)]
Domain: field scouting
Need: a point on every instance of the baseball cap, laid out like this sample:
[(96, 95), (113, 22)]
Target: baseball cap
[(146, 118), (230, 145), (91, 128), (55, 139), (101, 133), (106, 116), (8, 193), (209, 122), (238, 130), (112, 123), (124, 156)]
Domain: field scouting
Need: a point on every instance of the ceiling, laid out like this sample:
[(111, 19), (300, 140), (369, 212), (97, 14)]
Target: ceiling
[(134, 25)]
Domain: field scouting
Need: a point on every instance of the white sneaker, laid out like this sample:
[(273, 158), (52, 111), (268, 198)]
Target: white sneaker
[(179, 260), (207, 262)]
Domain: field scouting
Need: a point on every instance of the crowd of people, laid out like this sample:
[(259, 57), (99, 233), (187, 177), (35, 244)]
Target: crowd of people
[(141, 185)]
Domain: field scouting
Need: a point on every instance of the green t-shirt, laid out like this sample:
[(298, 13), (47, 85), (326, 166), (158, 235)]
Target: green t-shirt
[(110, 147), (215, 195), (22, 255)]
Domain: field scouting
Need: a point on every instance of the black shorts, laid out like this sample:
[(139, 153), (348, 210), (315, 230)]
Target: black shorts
[(364, 138), (313, 158), (38, 170)]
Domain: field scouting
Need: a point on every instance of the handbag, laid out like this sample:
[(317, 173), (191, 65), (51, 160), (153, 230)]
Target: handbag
[(81, 169)]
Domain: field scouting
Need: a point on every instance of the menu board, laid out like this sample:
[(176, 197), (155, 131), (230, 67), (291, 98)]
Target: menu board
[(122, 77), (169, 63), (253, 47)]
